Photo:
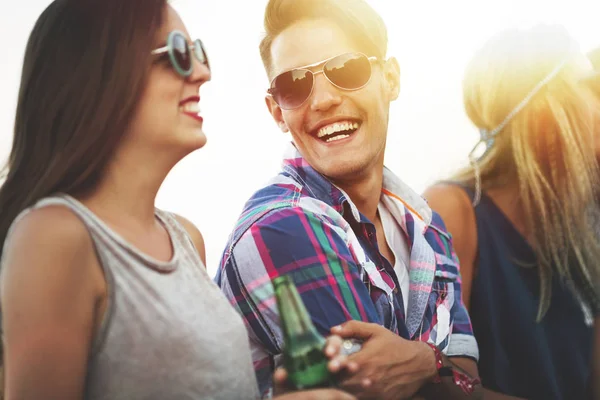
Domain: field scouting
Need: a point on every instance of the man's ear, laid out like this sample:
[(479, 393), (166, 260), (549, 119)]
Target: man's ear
[(276, 113), (391, 72)]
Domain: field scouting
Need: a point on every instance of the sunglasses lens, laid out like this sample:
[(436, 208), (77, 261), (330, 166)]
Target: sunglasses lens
[(292, 88), (181, 53), (349, 71), (200, 53)]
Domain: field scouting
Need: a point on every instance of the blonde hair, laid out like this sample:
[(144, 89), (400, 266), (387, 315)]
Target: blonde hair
[(356, 17), (593, 81), (546, 148), (594, 57)]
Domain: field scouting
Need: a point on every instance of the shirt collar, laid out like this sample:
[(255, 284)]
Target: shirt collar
[(322, 189)]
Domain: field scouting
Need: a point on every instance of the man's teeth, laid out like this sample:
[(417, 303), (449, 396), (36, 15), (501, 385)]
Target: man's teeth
[(337, 127), (193, 108), (338, 137)]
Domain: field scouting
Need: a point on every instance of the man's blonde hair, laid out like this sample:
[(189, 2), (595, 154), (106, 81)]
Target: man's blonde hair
[(356, 17), (547, 149)]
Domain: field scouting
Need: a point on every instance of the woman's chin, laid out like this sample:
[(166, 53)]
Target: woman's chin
[(193, 139)]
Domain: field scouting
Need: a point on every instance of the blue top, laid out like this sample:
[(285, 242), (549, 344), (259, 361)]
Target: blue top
[(519, 357)]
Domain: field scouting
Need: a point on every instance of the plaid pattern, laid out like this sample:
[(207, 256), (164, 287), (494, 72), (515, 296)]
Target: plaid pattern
[(302, 225)]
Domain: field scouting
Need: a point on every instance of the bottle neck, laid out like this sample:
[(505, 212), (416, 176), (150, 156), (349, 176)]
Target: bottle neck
[(295, 319)]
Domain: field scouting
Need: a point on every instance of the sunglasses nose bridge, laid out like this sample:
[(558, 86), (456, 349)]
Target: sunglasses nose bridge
[(319, 72), (331, 82), (328, 78), (323, 94)]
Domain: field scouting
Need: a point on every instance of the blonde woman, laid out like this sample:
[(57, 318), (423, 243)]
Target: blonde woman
[(522, 215)]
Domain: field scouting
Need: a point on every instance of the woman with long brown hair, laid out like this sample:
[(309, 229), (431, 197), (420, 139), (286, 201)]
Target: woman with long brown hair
[(523, 214), (104, 296)]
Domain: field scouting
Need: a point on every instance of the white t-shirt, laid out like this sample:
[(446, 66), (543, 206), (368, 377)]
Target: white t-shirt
[(397, 242)]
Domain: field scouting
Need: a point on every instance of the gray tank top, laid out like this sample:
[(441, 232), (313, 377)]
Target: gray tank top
[(168, 332)]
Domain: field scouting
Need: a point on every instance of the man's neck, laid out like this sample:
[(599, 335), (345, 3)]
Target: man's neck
[(365, 192)]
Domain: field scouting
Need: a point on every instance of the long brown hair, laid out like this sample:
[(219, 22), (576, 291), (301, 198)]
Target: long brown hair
[(546, 149), (84, 70)]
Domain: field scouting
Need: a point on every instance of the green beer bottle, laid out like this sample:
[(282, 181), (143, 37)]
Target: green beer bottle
[(303, 352)]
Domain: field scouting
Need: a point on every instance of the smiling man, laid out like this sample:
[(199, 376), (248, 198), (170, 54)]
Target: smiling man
[(357, 241)]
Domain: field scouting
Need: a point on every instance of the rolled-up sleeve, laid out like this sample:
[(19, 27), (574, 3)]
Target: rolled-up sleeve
[(462, 342)]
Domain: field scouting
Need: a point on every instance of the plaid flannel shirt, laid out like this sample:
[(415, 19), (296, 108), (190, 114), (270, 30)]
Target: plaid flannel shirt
[(302, 225)]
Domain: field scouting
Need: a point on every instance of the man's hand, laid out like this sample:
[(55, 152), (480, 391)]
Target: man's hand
[(390, 367), (317, 394), (337, 362), (280, 378)]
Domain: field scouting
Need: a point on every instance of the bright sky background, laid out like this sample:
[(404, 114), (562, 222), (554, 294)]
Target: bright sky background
[(429, 134)]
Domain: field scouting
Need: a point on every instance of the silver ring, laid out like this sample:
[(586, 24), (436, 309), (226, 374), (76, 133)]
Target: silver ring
[(350, 346)]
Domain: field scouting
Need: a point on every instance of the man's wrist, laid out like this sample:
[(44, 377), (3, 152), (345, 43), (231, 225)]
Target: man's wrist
[(433, 363), (444, 367), (438, 363)]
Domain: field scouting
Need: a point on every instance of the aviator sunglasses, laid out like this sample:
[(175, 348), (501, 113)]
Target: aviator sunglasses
[(349, 71), (180, 53)]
